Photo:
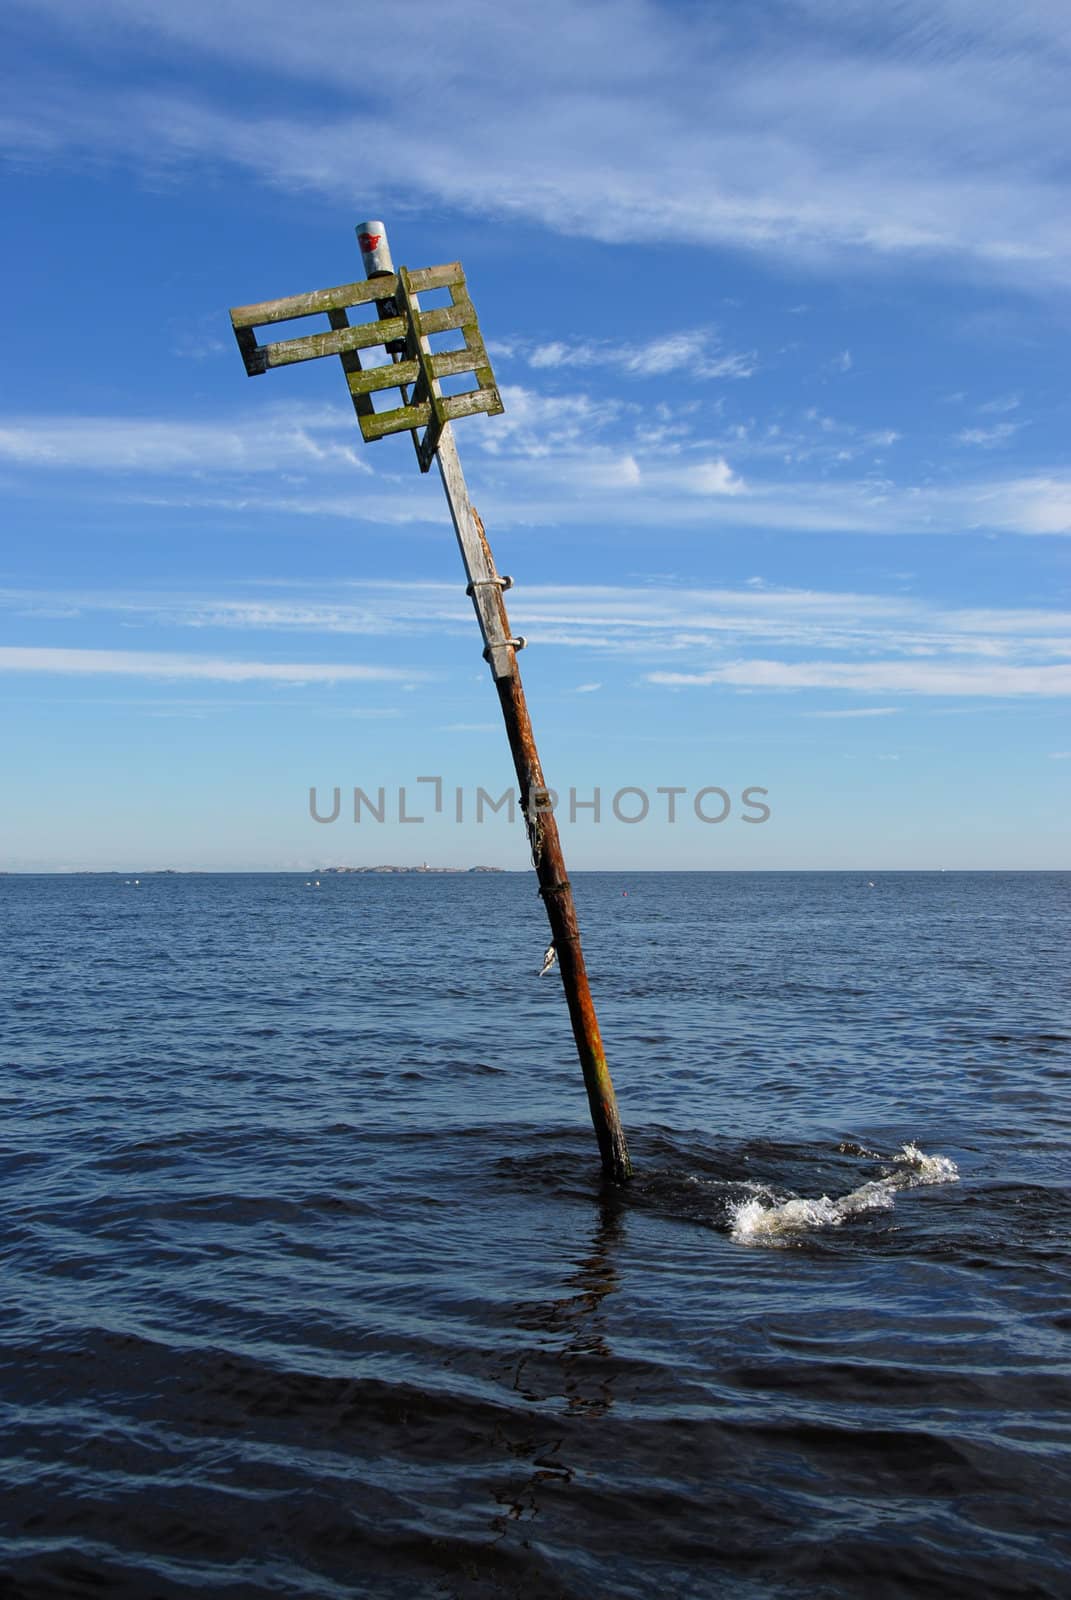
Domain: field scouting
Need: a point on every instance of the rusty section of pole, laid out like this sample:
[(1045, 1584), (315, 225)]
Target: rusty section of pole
[(557, 894)]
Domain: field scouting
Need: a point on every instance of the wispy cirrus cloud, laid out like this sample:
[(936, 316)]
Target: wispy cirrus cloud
[(541, 426), (862, 711), (549, 461), (697, 354), (827, 639), (173, 666), (989, 438), (835, 132), (929, 678), (271, 441)]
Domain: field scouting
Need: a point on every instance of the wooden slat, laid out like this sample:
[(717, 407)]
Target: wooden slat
[(427, 387), (252, 354), (447, 408), (443, 318), (403, 420), (388, 377), (448, 363), (365, 336), (467, 405), (306, 305), (427, 445), (480, 360), (436, 277), (351, 361)]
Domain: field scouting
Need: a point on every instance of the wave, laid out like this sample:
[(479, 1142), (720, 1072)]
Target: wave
[(765, 1219)]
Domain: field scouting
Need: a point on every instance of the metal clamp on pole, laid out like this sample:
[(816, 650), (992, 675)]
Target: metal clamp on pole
[(516, 644), (479, 583)]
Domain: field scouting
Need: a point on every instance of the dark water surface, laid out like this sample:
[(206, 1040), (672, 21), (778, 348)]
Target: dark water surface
[(312, 1289)]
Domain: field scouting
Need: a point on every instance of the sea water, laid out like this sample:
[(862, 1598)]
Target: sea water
[(313, 1287)]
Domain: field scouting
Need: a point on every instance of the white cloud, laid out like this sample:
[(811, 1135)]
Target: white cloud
[(1027, 505), (686, 356), (864, 711), (930, 128), (930, 678), (539, 425), (988, 438), (557, 354), (708, 477), (549, 461), (844, 637), (168, 665), (269, 441)]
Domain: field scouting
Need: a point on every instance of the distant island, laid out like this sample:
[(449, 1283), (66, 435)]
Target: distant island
[(324, 871), (209, 872)]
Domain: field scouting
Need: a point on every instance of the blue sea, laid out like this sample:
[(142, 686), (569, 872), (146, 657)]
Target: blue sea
[(313, 1287)]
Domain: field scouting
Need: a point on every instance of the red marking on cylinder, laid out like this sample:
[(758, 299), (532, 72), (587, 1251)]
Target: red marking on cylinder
[(369, 241)]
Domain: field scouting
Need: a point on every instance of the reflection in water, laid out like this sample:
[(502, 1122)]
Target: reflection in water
[(579, 1374), (571, 1362)]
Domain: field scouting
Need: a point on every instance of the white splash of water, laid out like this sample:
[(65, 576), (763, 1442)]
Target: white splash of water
[(754, 1222), (927, 1169)]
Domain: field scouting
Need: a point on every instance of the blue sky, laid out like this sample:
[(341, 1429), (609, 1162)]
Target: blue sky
[(777, 297)]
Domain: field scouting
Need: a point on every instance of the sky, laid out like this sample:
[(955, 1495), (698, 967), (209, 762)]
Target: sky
[(777, 297)]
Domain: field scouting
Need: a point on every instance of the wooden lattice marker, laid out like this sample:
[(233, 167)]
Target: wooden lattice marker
[(420, 368)]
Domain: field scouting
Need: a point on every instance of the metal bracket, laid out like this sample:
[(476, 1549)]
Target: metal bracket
[(520, 643), (502, 583)]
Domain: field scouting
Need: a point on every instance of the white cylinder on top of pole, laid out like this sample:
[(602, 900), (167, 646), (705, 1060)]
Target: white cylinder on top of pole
[(375, 251)]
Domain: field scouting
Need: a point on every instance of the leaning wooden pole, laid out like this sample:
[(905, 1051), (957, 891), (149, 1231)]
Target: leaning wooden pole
[(549, 862), (486, 588), (557, 894), (402, 328)]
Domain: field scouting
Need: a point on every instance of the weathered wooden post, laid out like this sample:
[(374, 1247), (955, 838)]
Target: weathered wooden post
[(404, 330)]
